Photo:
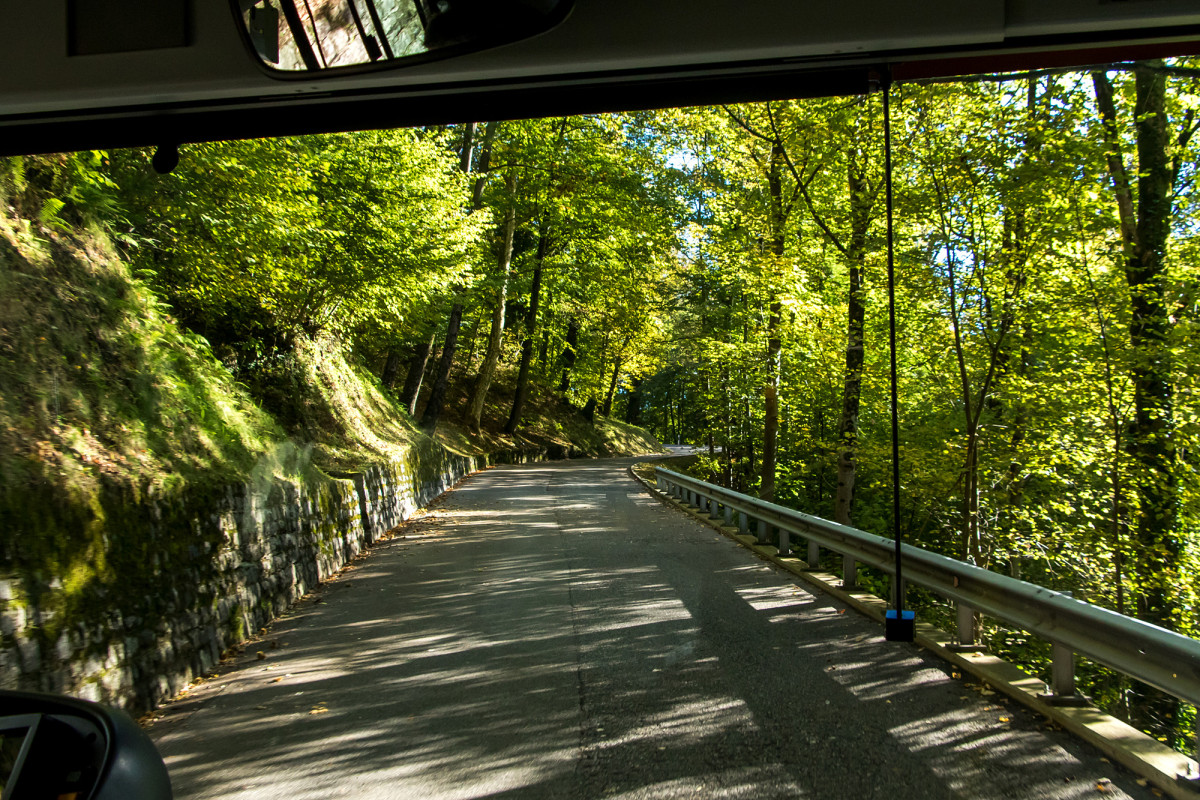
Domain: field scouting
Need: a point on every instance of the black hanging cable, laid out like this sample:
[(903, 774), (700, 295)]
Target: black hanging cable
[(379, 29), (368, 41), (899, 625), (296, 26), (316, 35)]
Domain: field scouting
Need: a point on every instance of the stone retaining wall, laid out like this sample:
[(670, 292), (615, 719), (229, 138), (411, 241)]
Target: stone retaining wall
[(176, 584)]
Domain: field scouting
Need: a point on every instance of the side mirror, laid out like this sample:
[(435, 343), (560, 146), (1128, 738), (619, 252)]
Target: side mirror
[(60, 747)]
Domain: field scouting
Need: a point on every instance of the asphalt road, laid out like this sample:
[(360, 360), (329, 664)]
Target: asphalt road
[(553, 631)]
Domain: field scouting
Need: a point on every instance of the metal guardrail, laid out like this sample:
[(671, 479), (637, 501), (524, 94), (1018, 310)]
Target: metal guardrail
[(1163, 659)]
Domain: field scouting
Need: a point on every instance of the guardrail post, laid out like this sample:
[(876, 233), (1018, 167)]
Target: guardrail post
[(1062, 676), (849, 572), (743, 523), (964, 628), (760, 535), (728, 516), (785, 546), (1063, 667), (713, 513), (814, 554)]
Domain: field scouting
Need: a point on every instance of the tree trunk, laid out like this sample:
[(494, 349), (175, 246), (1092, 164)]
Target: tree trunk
[(727, 425), (751, 457), (1153, 430), (437, 395), (633, 409), (771, 388), (673, 414), (599, 388), (543, 359), (612, 387), (569, 355), (391, 368), (514, 419), (469, 358), (416, 373), (468, 144), (491, 356), (483, 165), (860, 209), (1150, 437), (1015, 355)]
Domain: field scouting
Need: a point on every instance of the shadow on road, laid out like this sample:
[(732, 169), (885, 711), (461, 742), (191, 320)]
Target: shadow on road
[(551, 632)]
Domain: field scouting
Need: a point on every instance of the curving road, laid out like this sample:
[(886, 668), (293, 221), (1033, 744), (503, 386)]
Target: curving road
[(552, 631)]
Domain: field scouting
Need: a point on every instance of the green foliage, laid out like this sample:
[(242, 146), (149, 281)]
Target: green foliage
[(256, 243)]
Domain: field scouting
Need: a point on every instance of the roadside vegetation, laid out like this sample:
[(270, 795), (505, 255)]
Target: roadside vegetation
[(712, 274)]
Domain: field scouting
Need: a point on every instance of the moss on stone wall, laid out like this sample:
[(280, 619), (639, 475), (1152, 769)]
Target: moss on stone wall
[(126, 601)]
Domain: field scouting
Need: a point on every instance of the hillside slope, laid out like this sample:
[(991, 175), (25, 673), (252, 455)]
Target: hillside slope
[(104, 389)]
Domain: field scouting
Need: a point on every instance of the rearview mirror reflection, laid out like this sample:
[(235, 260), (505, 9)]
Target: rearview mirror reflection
[(315, 35)]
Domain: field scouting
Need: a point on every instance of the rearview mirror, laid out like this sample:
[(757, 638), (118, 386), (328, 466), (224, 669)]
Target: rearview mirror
[(315, 35), (60, 747)]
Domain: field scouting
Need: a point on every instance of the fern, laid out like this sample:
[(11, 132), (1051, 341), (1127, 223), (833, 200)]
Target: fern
[(49, 214)]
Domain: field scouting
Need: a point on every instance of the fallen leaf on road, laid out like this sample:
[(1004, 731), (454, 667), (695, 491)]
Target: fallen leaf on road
[(1006, 719), (261, 655), (318, 709), (1104, 785), (841, 611), (276, 680), (260, 708)]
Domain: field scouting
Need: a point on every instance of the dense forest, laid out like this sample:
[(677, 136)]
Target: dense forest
[(716, 275)]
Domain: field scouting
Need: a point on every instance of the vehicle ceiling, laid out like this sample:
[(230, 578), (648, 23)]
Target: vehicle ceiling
[(140, 81)]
